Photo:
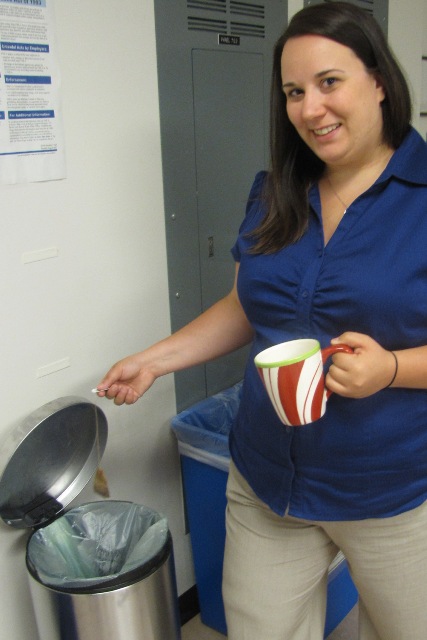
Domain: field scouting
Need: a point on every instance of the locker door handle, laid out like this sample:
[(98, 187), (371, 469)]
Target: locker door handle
[(211, 247)]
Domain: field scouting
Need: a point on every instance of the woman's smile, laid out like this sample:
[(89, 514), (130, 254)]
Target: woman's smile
[(325, 130)]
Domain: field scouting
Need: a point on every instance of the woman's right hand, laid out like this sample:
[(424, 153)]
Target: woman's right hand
[(218, 331), (126, 381)]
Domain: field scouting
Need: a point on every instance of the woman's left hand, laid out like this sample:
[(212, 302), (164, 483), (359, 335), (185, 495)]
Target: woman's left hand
[(360, 374)]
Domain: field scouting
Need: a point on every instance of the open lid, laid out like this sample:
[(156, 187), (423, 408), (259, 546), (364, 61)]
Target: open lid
[(48, 459)]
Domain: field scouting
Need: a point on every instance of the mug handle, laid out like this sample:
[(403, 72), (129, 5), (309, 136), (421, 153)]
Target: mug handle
[(327, 352)]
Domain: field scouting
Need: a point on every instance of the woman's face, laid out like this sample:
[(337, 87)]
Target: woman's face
[(333, 102)]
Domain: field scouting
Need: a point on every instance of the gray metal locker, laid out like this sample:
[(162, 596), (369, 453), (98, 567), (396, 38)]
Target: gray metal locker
[(378, 8), (214, 67)]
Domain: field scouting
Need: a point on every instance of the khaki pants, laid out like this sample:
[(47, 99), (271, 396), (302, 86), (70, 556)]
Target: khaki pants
[(275, 571)]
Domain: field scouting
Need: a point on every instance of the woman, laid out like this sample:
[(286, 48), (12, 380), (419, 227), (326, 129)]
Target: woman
[(332, 247)]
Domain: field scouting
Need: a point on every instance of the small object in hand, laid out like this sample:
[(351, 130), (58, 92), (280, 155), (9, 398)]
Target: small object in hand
[(98, 390), (100, 484)]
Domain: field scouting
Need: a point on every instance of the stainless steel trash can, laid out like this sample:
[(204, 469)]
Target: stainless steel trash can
[(131, 593)]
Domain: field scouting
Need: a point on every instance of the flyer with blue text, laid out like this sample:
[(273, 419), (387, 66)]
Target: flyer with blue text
[(31, 128)]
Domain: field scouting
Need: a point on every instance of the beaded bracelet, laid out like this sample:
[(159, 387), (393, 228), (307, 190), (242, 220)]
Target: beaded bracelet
[(395, 371)]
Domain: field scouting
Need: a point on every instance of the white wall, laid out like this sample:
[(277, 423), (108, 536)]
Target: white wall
[(423, 119), (294, 6), (405, 33), (106, 294)]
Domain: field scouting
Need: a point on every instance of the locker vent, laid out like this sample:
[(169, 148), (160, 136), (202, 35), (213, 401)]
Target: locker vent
[(367, 5), (233, 21), (208, 5), (196, 23), (247, 9), (244, 29)]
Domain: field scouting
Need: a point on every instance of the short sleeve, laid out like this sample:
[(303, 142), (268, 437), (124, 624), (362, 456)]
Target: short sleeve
[(255, 212)]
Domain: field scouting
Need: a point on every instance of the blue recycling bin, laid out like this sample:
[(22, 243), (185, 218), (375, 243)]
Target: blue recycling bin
[(202, 432)]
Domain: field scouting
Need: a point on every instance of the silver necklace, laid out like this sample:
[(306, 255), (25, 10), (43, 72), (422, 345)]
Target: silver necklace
[(337, 196)]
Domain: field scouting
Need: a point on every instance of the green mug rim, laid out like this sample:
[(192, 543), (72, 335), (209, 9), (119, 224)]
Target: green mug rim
[(288, 361)]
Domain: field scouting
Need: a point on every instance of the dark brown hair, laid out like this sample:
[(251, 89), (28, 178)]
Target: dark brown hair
[(294, 166)]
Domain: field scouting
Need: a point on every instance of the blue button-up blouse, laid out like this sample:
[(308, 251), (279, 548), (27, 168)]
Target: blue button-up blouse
[(365, 457)]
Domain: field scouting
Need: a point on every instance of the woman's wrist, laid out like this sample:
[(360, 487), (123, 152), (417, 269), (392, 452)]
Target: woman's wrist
[(396, 368)]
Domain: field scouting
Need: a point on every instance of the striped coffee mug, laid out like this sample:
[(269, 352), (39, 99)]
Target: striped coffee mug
[(292, 373)]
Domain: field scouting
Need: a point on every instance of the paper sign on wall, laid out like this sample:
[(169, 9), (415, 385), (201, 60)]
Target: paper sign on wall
[(31, 134)]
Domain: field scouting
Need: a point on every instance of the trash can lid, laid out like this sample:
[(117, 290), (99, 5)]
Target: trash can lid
[(48, 459)]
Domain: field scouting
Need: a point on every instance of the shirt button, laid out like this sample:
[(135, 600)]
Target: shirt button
[(305, 293), (288, 429)]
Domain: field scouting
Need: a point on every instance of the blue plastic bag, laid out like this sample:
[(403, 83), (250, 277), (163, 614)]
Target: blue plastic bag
[(206, 425)]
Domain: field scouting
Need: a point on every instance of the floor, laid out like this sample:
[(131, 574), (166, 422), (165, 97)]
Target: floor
[(195, 630)]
